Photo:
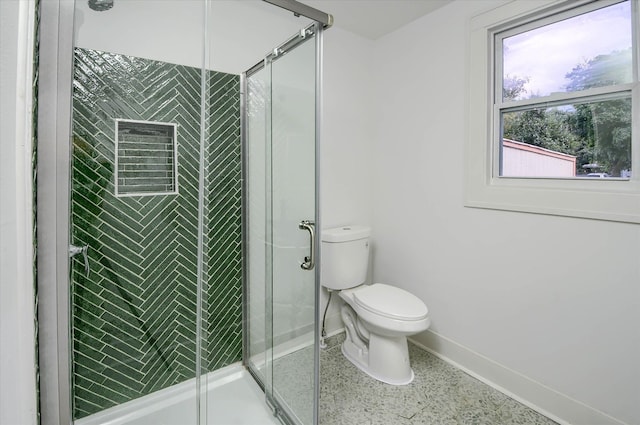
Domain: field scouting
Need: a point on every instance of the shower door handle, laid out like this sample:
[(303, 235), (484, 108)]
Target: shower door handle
[(310, 261)]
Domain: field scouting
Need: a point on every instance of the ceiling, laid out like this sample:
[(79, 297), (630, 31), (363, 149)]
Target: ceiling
[(374, 18)]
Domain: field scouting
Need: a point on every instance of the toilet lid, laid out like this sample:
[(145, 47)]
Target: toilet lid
[(390, 301)]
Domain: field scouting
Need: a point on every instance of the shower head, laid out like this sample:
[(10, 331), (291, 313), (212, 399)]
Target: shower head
[(100, 5)]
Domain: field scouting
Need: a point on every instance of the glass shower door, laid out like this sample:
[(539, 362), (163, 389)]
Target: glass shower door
[(292, 283), (281, 158)]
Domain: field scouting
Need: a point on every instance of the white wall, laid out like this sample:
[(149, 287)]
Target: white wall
[(17, 357), (347, 138), (554, 299), (348, 129)]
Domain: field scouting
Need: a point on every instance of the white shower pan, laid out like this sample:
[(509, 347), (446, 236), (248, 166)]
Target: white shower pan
[(233, 398)]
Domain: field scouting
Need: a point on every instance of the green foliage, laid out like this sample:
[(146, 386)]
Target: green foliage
[(548, 129), (612, 123)]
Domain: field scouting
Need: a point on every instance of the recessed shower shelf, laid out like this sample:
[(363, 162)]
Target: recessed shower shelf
[(146, 158)]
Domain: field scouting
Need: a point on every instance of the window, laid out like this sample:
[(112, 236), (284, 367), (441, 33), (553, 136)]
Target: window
[(564, 84), (554, 101)]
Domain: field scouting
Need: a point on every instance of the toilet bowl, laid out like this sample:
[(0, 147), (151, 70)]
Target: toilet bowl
[(387, 310), (377, 318), (376, 339)]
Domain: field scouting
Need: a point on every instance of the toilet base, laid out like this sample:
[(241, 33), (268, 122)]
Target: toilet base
[(386, 359)]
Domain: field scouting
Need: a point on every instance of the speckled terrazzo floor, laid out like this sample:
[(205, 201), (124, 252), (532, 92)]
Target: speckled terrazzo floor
[(440, 394)]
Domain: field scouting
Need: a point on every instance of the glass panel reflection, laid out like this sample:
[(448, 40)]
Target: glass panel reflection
[(589, 50)]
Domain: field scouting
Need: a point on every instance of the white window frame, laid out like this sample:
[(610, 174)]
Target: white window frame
[(603, 199)]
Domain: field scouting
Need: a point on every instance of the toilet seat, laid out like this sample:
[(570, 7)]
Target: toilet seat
[(390, 301)]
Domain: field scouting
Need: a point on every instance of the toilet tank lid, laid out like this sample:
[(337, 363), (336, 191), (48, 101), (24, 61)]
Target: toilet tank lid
[(345, 233)]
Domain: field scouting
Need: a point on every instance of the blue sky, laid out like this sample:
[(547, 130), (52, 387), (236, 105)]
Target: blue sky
[(548, 53)]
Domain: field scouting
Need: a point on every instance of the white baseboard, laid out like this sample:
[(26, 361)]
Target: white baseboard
[(539, 397)]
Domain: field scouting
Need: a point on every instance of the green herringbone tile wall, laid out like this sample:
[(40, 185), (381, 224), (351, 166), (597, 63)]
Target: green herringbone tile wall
[(134, 315), (223, 213)]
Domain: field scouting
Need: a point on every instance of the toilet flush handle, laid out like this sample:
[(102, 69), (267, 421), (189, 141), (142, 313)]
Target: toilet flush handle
[(310, 261)]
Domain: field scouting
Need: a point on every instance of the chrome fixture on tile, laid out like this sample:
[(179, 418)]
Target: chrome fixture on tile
[(75, 250), (309, 261)]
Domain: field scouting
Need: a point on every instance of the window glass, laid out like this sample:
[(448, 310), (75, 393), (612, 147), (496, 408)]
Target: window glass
[(588, 50), (571, 140), (551, 125)]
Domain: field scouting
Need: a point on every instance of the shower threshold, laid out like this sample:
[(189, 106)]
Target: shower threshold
[(233, 397)]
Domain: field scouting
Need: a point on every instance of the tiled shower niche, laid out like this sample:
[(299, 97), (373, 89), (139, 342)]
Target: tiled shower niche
[(134, 312), (146, 158)]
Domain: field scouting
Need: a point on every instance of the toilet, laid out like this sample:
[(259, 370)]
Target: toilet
[(378, 317)]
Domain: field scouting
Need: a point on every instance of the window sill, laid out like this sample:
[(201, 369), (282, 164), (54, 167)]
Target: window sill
[(557, 198)]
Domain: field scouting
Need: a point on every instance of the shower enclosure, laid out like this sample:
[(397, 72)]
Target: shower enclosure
[(177, 208)]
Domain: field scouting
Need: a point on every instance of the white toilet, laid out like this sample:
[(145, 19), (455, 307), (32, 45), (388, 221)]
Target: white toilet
[(377, 318)]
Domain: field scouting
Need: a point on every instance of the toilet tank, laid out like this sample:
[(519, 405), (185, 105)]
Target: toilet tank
[(345, 256)]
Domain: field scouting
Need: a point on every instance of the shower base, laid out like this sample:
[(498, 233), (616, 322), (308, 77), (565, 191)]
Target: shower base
[(233, 397)]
